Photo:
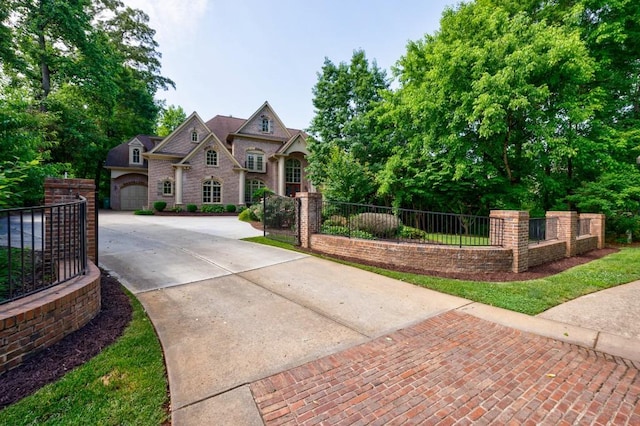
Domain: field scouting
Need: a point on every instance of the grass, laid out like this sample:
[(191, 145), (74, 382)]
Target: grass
[(529, 297), (124, 385)]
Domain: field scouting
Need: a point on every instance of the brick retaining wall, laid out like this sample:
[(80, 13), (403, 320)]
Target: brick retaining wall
[(586, 243), (546, 251), (35, 322), (417, 257)]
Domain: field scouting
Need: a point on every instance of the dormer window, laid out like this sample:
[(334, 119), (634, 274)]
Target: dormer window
[(135, 153), (266, 125), (194, 136)]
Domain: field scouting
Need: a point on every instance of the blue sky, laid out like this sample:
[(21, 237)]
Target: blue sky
[(228, 57)]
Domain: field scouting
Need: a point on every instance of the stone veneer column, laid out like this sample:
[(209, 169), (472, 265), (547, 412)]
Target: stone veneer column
[(567, 229), (515, 236), (57, 191), (310, 215), (597, 226)]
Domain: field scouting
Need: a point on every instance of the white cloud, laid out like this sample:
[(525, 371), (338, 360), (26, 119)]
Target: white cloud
[(175, 21)]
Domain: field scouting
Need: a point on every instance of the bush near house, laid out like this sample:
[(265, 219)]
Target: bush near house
[(192, 208), (160, 205), (381, 225), (231, 208)]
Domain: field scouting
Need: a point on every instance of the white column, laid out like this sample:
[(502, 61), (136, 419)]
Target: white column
[(241, 184), (281, 176), (178, 185)]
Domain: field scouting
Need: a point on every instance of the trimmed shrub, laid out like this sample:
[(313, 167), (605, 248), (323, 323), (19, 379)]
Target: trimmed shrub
[(192, 208), (413, 233), (144, 212), (245, 216), (177, 209), (381, 225), (343, 231), (241, 209), (160, 205), (336, 220), (230, 208)]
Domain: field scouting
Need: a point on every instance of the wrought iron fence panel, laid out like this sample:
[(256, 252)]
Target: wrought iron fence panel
[(405, 225), (281, 219), (543, 229), (41, 247)]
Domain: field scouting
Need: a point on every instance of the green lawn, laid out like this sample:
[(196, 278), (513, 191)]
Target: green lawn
[(124, 385), (529, 297)]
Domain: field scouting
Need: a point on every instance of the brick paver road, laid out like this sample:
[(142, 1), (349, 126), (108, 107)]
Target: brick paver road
[(455, 369)]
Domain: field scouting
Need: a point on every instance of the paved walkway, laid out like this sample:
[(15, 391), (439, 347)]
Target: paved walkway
[(255, 335)]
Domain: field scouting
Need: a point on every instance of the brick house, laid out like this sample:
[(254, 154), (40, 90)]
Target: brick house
[(221, 161)]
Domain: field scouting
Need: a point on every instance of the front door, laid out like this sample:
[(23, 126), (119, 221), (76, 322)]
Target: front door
[(292, 189)]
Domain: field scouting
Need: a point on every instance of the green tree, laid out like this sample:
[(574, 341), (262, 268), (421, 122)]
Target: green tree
[(169, 119), (347, 180), (494, 102), (343, 97)]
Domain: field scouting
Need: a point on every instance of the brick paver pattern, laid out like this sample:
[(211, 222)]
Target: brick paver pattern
[(455, 369)]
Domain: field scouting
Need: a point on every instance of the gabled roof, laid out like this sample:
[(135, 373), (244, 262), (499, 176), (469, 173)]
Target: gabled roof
[(118, 156), (211, 138), (298, 136), (185, 123), (271, 111)]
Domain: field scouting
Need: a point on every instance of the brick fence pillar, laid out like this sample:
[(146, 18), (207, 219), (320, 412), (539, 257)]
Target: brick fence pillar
[(596, 226), (310, 216), (57, 191), (515, 236), (567, 229)]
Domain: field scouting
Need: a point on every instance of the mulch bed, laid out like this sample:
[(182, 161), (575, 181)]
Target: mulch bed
[(75, 349)]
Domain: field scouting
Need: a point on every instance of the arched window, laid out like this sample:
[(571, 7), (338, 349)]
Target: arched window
[(293, 169), (211, 192), (194, 136), (211, 157), (250, 187), (135, 156), (167, 187)]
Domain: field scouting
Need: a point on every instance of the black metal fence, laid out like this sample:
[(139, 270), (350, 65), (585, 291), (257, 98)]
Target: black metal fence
[(543, 229), (282, 219), (404, 225), (41, 247)]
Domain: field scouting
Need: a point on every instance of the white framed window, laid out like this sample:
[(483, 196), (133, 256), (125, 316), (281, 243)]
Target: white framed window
[(250, 187), (211, 157), (255, 162), (265, 125), (135, 156), (165, 188), (293, 170), (194, 136), (211, 192)]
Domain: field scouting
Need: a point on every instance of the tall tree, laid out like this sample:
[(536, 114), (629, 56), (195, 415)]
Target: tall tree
[(343, 96), (169, 119)]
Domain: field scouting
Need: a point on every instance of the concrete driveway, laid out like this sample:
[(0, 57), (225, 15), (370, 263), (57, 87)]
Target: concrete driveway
[(229, 312)]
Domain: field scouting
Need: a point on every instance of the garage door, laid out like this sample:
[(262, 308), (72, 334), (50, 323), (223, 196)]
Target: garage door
[(133, 197)]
